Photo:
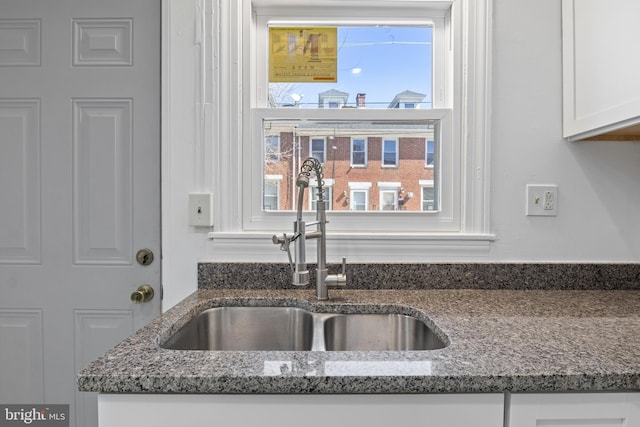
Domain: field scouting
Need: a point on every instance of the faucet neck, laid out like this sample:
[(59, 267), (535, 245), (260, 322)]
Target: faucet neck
[(299, 268)]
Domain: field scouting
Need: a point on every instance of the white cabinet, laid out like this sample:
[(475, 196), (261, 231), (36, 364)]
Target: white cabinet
[(601, 88), (308, 410), (575, 410)]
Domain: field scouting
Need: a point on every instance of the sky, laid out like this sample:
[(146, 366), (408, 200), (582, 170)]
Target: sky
[(378, 61)]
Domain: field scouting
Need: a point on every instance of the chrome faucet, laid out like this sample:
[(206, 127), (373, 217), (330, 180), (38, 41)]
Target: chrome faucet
[(300, 274)]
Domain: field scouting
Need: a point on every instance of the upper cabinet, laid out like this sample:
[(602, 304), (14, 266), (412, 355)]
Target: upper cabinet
[(601, 70)]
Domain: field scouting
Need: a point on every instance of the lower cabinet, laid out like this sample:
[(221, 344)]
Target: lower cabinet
[(574, 410), (366, 410), (371, 410)]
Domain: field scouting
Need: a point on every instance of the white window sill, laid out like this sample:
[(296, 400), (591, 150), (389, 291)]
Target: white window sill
[(357, 247)]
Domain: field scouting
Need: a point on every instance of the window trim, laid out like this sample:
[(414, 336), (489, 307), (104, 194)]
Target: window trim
[(388, 11), (225, 45)]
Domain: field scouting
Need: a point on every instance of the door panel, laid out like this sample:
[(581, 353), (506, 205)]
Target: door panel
[(102, 181), (20, 181), (21, 335), (93, 329), (79, 189)]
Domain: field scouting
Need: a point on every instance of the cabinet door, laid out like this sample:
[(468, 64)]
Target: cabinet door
[(600, 85), (575, 410), (308, 410)]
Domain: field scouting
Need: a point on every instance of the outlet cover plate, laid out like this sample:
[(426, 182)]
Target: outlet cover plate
[(536, 196)]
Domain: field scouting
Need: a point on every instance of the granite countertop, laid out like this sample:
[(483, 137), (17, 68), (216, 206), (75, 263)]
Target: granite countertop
[(499, 340)]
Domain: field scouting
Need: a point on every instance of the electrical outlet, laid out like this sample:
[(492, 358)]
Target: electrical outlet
[(201, 209), (542, 200), (548, 201)]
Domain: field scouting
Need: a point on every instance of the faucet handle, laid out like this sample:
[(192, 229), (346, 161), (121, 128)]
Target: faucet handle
[(284, 241), (338, 280)]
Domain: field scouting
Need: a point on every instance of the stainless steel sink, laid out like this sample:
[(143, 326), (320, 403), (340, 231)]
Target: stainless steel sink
[(378, 332), (246, 328), (296, 329)]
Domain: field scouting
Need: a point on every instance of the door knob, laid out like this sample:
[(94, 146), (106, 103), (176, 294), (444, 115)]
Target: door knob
[(144, 293)]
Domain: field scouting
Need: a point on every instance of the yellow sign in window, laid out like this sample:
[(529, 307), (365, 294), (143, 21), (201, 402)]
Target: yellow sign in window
[(303, 54)]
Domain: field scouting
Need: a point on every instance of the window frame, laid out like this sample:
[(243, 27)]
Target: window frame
[(426, 154), (396, 152), (384, 188), (313, 139), (352, 202), (228, 48), (276, 181), (364, 152), (360, 187), (446, 220), (426, 185), (313, 197)]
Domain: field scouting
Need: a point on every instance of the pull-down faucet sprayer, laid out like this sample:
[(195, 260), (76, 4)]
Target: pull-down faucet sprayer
[(300, 274)]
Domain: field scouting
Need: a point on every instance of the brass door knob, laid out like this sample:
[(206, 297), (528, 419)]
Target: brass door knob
[(144, 293)]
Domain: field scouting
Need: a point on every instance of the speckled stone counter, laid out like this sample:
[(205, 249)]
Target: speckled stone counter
[(529, 276), (499, 340)]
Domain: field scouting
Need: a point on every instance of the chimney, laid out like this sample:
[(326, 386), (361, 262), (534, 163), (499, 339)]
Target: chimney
[(360, 100)]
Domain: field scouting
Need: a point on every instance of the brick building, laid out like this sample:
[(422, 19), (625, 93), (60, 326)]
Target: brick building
[(367, 167)]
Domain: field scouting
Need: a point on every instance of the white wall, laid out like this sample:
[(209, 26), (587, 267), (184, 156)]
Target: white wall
[(182, 245), (598, 201)]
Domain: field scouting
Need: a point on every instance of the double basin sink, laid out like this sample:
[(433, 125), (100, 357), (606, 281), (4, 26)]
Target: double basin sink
[(297, 329)]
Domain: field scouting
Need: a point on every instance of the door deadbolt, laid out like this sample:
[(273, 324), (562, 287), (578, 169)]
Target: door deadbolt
[(144, 293), (144, 256)]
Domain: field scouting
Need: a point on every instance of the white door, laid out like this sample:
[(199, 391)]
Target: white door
[(79, 189)]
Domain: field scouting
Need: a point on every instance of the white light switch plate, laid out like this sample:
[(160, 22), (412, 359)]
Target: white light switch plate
[(201, 209)]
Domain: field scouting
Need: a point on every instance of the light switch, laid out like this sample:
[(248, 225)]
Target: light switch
[(201, 209)]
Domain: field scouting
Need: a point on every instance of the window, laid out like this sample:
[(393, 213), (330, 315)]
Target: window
[(428, 196), (358, 196), (457, 104), (366, 117), (272, 148), (388, 199), (358, 152), (390, 152), (359, 200), (271, 194), (328, 193), (347, 146), (430, 154), (389, 192), (318, 149)]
